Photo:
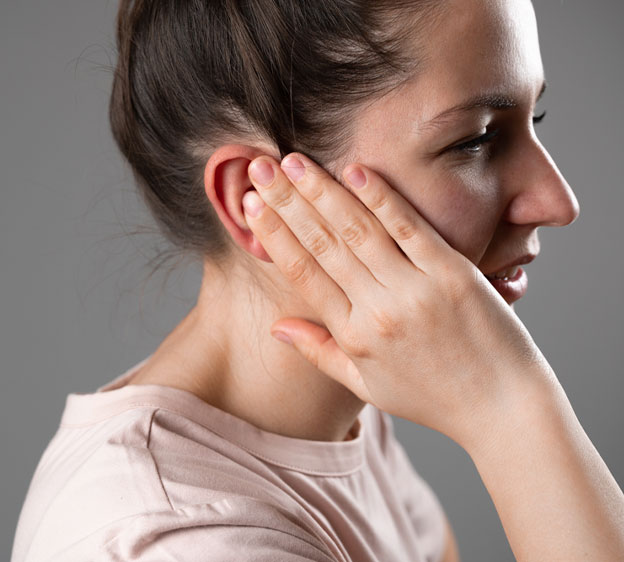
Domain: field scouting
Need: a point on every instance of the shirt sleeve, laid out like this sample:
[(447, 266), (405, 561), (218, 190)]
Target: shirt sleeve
[(241, 529), (420, 501)]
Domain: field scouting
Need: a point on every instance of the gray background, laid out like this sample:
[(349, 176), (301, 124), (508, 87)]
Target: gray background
[(77, 307)]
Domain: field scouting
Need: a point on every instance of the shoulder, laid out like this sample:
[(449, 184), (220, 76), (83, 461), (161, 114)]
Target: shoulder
[(244, 529), (148, 484)]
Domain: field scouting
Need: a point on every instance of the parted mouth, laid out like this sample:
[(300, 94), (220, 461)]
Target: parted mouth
[(511, 268)]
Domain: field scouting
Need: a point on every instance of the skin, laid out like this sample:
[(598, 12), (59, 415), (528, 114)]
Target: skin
[(506, 190), (510, 187), (487, 204)]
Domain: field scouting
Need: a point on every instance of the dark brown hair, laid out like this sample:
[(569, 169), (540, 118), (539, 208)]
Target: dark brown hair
[(194, 74)]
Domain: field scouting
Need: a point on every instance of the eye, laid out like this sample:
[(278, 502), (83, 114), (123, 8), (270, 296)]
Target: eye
[(475, 146)]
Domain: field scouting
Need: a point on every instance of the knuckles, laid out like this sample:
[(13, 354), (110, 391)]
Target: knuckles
[(319, 241), (361, 337), (377, 201), (280, 197), (299, 271), (385, 325), (404, 230), (355, 233), (272, 228), (311, 188)]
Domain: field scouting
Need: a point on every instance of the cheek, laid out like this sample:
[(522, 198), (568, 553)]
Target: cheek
[(462, 204), (464, 209)]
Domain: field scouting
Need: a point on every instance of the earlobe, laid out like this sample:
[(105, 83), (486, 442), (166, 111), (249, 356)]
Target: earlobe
[(225, 183)]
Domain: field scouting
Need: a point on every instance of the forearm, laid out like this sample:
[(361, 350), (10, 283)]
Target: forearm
[(554, 494)]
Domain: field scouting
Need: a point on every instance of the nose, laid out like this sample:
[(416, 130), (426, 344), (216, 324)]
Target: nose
[(542, 195)]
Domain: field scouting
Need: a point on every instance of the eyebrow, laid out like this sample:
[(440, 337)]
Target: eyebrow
[(490, 101)]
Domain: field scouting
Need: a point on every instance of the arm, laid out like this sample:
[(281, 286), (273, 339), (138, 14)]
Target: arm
[(554, 494), (423, 335)]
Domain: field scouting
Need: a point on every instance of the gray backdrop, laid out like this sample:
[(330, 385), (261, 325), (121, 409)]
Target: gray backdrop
[(77, 307)]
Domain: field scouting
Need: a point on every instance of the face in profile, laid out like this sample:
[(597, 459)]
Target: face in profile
[(459, 141)]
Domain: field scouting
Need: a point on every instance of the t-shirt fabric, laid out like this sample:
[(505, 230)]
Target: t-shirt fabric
[(151, 473)]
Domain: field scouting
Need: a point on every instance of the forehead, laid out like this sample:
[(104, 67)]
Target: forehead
[(480, 47), (474, 47)]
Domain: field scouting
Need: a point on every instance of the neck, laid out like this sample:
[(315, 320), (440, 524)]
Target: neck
[(223, 352)]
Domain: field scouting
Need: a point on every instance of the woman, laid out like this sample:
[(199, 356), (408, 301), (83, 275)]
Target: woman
[(352, 175)]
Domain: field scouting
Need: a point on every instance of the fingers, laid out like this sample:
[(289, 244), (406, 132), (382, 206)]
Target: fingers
[(356, 226), (421, 243), (320, 349), (317, 231), (310, 228), (296, 263)]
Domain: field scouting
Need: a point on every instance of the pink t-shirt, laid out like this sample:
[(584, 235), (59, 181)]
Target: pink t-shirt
[(152, 473)]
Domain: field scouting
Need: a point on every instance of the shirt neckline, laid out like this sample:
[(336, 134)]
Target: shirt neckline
[(322, 458)]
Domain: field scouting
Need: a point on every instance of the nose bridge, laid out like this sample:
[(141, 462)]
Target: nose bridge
[(545, 197)]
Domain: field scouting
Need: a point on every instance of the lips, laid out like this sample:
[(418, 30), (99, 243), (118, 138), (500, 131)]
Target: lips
[(513, 288), (526, 258), (505, 273)]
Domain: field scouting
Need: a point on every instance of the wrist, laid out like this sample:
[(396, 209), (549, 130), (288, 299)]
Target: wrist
[(554, 494), (530, 403)]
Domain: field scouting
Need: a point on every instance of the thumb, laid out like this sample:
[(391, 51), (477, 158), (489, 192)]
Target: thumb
[(320, 349)]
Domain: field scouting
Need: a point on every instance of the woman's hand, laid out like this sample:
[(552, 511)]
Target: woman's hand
[(411, 325)]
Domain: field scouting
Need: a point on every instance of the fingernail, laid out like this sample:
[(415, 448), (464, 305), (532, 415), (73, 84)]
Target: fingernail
[(252, 203), (356, 178), (281, 336), (293, 167), (261, 172)]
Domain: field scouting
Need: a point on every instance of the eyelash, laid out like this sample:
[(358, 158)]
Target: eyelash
[(473, 146)]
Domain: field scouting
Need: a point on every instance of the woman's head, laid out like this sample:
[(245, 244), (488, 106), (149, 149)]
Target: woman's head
[(379, 82), (193, 75), (459, 141)]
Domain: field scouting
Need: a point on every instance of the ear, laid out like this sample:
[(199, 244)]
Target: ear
[(225, 183)]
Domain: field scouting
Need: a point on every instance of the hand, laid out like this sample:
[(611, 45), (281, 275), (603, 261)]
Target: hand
[(410, 324)]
